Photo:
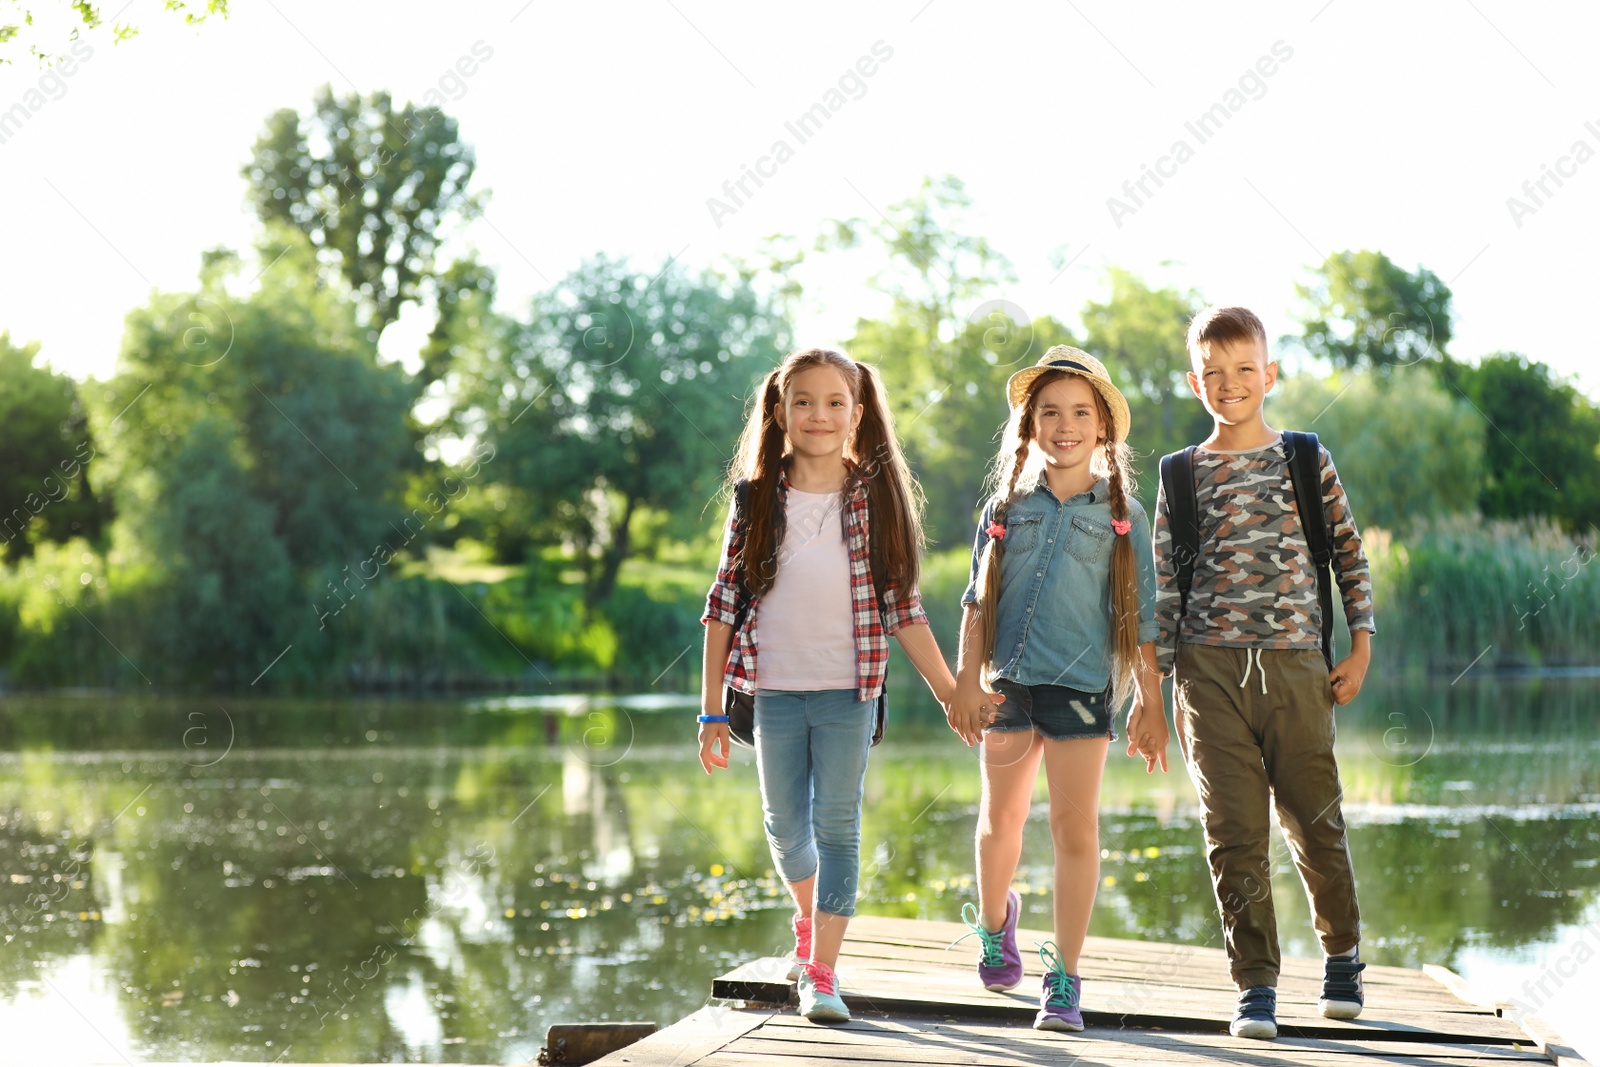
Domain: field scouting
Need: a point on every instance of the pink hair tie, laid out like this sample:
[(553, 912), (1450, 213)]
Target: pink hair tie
[(996, 531), (1122, 526)]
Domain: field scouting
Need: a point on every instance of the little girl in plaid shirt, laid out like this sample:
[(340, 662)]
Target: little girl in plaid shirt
[(820, 559)]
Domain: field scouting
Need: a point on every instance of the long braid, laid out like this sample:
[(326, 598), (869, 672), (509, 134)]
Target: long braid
[(989, 574), (1123, 581)]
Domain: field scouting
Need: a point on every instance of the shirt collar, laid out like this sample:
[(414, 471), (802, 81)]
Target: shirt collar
[(1095, 494)]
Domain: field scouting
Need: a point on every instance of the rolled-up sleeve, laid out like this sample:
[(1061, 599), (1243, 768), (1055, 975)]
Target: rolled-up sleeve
[(722, 602), (978, 542), (901, 611)]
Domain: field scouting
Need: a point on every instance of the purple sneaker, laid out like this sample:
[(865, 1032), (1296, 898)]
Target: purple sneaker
[(1058, 1004), (1000, 967)]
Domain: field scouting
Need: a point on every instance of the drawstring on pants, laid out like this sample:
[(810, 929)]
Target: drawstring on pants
[(1256, 652)]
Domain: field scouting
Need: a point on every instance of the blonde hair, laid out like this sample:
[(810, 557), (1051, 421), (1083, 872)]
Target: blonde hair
[(1112, 461)]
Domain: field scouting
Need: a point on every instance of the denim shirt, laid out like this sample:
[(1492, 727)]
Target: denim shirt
[(1054, 623)]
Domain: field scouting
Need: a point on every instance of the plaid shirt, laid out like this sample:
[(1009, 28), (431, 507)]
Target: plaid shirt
[(872, 626)]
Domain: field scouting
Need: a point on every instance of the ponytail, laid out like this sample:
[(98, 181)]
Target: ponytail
[(894, 500), (759, 460)]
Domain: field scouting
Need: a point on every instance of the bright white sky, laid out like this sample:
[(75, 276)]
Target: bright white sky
[(605, 127)]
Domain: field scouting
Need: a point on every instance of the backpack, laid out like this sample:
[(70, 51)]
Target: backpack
[(739, 706), (1183, 518)]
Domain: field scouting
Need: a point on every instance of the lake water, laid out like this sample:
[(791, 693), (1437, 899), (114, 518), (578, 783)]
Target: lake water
[(373, 881)]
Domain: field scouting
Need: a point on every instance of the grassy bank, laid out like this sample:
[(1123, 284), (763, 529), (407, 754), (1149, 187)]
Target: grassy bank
[(1498, 595)]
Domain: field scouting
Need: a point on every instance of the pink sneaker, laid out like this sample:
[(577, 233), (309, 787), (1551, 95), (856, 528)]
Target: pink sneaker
[(802, 947)]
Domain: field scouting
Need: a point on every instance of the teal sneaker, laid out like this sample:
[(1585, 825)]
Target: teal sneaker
[(819, 997), (1000, 965), (1058, 1003)]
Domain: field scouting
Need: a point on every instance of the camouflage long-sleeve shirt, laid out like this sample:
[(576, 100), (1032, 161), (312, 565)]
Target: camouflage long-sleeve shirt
[(1254, 586)]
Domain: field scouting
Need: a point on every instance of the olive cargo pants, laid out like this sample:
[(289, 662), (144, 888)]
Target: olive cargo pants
[(1257, 727)]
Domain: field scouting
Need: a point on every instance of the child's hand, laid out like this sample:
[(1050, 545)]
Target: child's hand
[(971, 708), (1147, 728), (714, 743), (1346, 678)]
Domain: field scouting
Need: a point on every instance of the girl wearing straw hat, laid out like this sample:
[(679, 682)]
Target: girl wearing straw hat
[(1058, 631)]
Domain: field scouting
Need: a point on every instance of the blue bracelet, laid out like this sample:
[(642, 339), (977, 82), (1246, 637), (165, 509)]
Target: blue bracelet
[(713, 718)]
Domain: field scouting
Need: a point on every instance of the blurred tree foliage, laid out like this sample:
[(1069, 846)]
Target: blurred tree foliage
[(83, 15), (1406, 448), (262, 453), (1542, 444), (370, 185), (1363, 310), (45, 453), (622, 392), (1139, 333)]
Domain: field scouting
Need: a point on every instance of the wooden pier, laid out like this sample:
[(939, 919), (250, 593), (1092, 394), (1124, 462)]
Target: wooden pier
[(916, 1000)]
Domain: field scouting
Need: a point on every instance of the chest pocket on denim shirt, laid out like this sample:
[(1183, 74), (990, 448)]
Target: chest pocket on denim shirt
[(1087, 539), (1022, 533)]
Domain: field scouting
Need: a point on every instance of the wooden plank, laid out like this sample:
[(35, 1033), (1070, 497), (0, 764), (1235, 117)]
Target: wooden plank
[(873, 1030), (1152, 1004), (1070, 1048), (763, 980), (580, 1043), (1546, 1039), (1459, 988), (937, 933), (691, 1039), (1417, 996)]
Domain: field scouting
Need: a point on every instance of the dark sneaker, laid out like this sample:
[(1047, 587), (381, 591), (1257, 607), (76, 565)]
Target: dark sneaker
[(1256, 1014), (819, 995), (1000, 967), (802, 947), (1341, 987), (1058, 1004)]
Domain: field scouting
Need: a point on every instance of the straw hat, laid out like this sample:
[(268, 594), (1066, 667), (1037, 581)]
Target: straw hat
[(1074, 361)]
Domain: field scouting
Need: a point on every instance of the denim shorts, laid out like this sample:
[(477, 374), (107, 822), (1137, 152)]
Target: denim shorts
[(1057, 712)]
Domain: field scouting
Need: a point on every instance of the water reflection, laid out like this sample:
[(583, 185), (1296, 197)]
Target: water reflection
[(352, 881)]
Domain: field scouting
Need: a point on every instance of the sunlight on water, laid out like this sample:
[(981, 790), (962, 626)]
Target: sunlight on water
[(360, 881)]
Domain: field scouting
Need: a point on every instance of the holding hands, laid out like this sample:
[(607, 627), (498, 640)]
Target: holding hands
[(971, 707), (1147, 722)]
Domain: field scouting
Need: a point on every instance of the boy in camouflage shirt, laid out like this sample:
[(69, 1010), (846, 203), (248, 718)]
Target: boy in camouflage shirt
[(1253, 697)]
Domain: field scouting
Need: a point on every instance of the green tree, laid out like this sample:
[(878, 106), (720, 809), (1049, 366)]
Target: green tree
[(87, 16), (1363, 310), (1407, 449), (944, 352), (369, 185), (623, 392), (1139, 333), (261, 455), (1542, 447), (45, 452)]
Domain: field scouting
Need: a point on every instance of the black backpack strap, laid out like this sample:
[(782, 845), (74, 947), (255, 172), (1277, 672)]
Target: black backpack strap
[(1183, 519), (1305, 471)]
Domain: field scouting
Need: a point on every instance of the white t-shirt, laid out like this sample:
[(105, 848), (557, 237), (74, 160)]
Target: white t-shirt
[(804, 623)]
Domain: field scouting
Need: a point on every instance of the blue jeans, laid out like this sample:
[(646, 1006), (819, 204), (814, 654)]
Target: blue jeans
[(811, 753)]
